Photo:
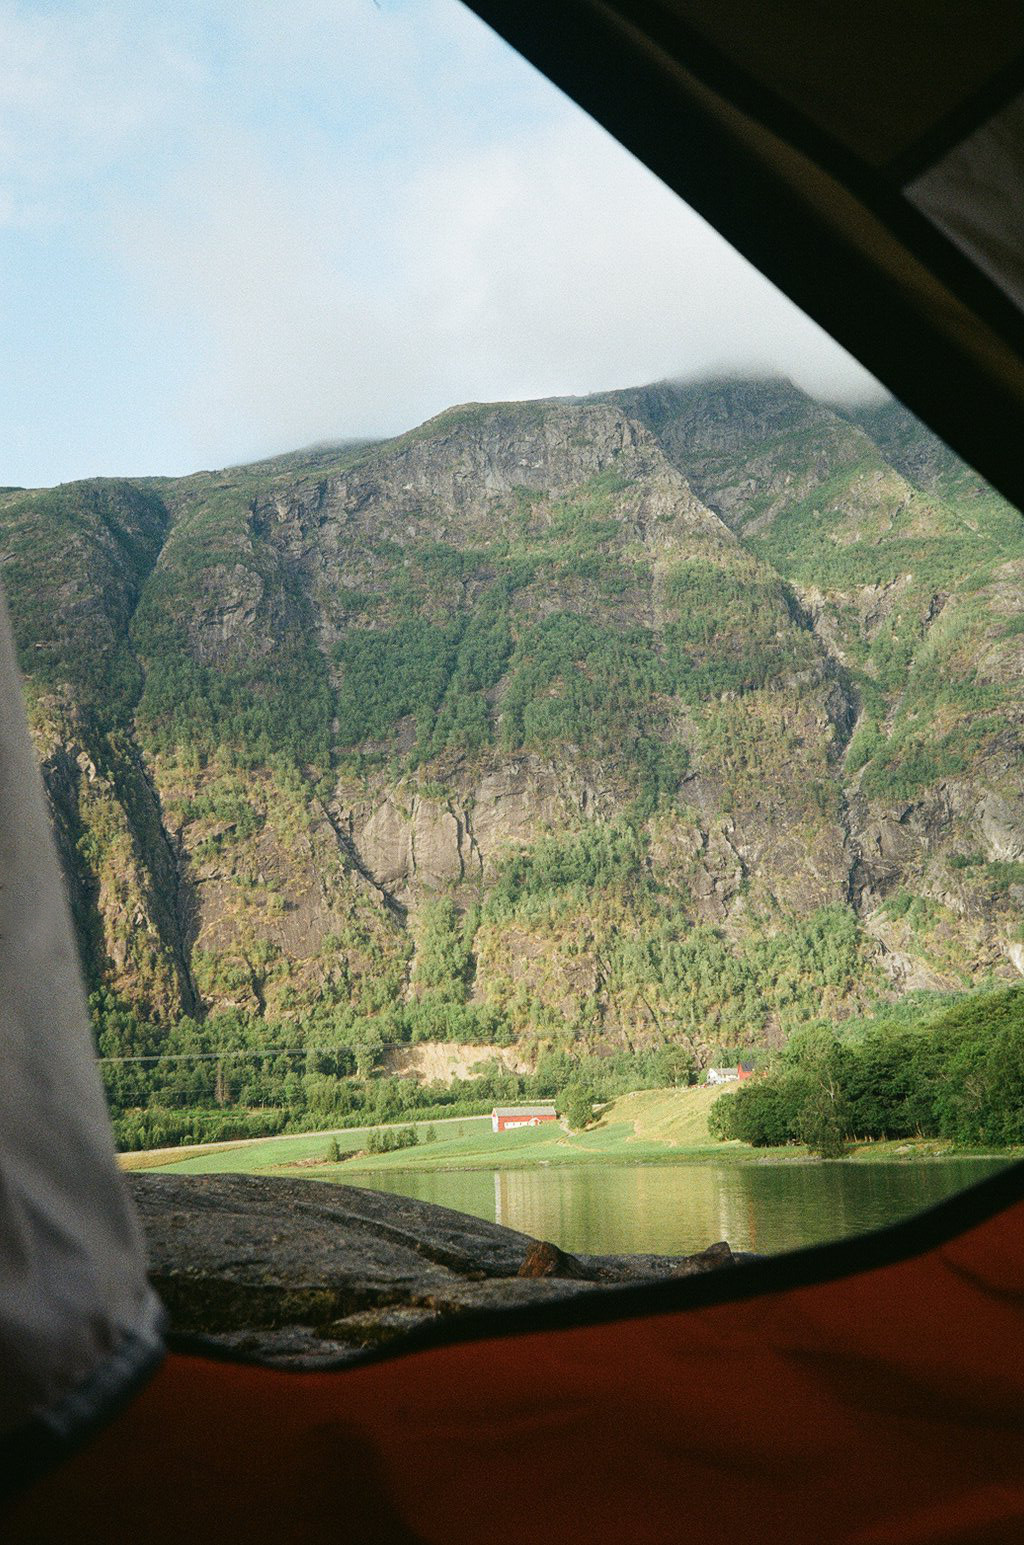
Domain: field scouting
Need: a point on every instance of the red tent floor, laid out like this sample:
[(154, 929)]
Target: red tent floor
[(884, 1408)]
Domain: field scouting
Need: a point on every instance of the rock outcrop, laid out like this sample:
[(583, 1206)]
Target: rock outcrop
[(304, 1275)]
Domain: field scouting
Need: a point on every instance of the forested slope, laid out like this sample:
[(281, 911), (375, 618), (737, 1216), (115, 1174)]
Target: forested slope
[(675, 717)]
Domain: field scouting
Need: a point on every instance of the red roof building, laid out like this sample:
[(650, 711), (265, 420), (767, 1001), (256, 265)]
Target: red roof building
[(506, 1118)]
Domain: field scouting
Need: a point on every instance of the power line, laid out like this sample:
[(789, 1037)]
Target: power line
[(212, 1056)]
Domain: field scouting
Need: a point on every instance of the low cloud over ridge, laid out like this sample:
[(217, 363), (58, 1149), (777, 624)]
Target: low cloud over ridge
[(341, 231)]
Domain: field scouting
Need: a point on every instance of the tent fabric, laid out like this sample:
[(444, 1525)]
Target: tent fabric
[(880, 79), (795, 129), (974, 195), (880, 1408), (78, 1319)]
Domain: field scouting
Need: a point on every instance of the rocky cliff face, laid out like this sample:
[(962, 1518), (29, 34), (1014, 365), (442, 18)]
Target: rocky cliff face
[(684, 713)]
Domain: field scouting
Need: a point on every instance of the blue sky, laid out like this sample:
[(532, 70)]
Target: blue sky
[(233, 229)]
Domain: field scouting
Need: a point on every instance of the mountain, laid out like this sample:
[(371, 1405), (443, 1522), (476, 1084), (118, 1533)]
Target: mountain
[(681, 714)]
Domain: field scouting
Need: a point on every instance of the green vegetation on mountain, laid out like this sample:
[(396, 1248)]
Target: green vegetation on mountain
[(546, 740), (75, 562)]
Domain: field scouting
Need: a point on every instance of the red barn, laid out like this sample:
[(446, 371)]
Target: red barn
[(744, 1070), (505, 1118)]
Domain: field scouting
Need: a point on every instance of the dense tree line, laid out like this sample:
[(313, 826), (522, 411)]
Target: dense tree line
[(956, 1074), (236, 1076)]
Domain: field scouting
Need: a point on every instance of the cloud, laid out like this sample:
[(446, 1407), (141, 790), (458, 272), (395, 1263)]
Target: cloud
[(79, 106), (351, 218), (575, 269), (551, 264)]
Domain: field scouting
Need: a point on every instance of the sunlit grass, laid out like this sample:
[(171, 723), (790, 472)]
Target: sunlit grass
[(652, 1126), (272, 1154)]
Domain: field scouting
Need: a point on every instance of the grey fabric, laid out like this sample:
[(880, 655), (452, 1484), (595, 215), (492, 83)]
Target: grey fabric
[(76, 1311), (975, 195)]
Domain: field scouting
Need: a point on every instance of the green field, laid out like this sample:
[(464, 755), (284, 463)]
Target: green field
[(653, 1126), (280, 1155), (610, 1141), (650, 1127)]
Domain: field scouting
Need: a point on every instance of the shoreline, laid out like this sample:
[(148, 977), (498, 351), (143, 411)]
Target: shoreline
[(881, 1153)]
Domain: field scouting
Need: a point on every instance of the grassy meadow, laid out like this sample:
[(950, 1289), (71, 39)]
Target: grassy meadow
[(656, 1125), (653, 1126), (282, 1155)]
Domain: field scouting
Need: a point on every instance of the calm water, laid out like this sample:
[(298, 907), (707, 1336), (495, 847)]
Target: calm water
[(677, 1209)]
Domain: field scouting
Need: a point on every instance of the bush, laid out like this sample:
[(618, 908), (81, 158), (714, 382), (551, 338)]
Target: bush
[(761, 1114), (391, 1139)]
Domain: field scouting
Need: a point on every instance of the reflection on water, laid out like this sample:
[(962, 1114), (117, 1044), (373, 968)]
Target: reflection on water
[(677, 1209)]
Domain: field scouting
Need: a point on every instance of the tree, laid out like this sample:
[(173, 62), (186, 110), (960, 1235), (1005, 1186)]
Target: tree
[(368, 1043), (821, 1123), (672, 1066), (444, 955), (577, 1106), (333, 1154), (821, 1071), (759, 1113)]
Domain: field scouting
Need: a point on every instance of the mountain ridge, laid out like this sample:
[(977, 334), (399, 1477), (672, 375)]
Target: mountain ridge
[(678, 714)]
